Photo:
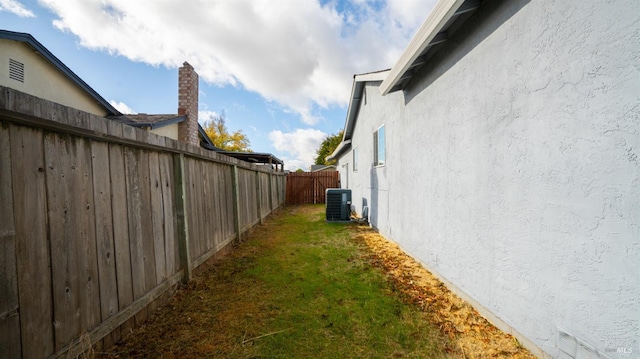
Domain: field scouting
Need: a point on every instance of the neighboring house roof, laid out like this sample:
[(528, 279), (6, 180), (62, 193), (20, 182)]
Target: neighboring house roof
[(30, 41), (150, 121), (442, 22), (357, 91), (254, 157), (320, 168)]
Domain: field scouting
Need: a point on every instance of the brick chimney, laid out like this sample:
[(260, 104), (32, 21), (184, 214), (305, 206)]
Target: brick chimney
[(188, 104)]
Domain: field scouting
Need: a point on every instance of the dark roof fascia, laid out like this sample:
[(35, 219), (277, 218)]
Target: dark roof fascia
[(244, 156), (206, 141), (38, 47), (254, 157), (158, 124)]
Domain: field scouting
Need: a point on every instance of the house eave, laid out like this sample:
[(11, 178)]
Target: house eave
[(432, 33), (343, 147), (357, 92)]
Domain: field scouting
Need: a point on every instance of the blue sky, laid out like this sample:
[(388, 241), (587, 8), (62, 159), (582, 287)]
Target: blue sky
[(280, 70)]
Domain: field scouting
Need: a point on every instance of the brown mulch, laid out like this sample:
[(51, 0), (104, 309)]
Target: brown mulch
[(472, 334)]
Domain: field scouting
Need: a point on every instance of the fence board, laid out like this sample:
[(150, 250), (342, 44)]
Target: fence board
[(120, 216), (157, 220), (168, 214), (65, 268), (134, 209), (146, 225), (206, 216), (32, 249), (85, 235), (96, 228), (9, 305), (195, 205), (72, 231), (104, 234)]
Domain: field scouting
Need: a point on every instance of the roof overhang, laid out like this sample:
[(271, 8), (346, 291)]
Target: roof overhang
[(157, 121), (443, 20), (39, 48), (357, 92), (254, 157)]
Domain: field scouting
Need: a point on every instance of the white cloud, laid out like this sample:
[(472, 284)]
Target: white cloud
[(300, 54), (122, 107), (16, 8), (204, 116), (301, 144)]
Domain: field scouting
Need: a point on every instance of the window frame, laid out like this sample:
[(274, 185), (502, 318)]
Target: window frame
[(377, 160), (354, 159)]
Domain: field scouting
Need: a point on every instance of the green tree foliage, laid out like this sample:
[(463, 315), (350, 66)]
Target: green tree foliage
[(217, 131), (327, 147)]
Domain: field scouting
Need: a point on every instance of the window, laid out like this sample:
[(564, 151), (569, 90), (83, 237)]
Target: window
[(355, 160), (378, 147)]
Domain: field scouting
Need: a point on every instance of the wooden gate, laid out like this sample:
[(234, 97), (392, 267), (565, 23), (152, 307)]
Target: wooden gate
[(309, 187)]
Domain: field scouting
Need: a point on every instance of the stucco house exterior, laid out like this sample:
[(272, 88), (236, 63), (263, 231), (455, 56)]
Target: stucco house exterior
[(502, 151)]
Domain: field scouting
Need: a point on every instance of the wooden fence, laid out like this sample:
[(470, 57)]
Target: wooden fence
[(99, 221), (309, 187)]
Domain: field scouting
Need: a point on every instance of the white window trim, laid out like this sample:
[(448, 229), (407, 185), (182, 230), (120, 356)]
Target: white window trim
[(375, 148), (354, 159)]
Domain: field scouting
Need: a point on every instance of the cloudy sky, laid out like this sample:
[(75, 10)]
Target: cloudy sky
[(281, 70)]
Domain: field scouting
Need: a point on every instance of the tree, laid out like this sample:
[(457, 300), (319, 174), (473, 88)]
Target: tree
[(326, 149), (217, 131)]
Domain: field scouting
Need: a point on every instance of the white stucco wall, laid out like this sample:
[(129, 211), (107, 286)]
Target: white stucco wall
[(43, 80), (513, 168)]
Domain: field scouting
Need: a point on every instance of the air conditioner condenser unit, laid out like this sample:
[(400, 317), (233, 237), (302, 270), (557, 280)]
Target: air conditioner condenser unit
[(338, 204)]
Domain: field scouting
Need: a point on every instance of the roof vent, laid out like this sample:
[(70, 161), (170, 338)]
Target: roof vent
[(16, 70)]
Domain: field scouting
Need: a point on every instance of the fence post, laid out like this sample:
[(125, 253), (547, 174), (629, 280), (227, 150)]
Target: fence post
[(182, 216), (259, 195), (236, 201)]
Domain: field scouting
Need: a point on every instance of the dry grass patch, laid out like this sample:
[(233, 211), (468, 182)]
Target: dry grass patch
[(471, 334)]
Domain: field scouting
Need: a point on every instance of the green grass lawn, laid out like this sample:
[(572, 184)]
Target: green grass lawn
[(298, 288)]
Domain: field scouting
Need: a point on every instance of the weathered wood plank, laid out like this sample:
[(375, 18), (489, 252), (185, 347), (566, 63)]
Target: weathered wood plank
[(194, 208), (72, 232), (231, 214), (208, 220), (157, 217), (147, 227), (85, 235), (134, 209), (258, 189), (119, 205), (169, 218), (62, 217), (76, 348), (107, 279), (9, 305), (182, 220), (32, 248)]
